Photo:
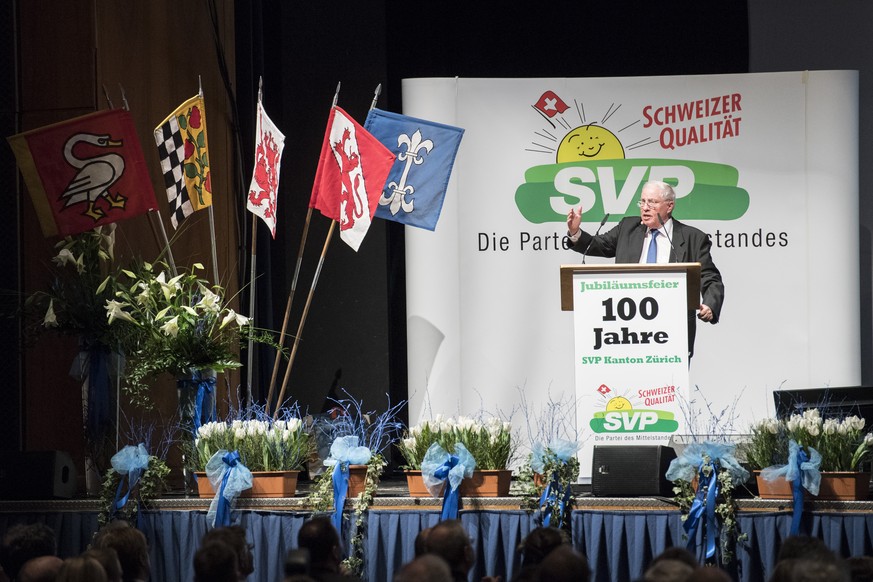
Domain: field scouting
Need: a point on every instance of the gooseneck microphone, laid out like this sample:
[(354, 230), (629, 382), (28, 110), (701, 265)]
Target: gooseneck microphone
[(602, 222), (667, 234)]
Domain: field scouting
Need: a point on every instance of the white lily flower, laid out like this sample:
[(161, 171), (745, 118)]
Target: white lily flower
[(232, 315), (171, 327), (50, 319), (64, 257), (115, 310)]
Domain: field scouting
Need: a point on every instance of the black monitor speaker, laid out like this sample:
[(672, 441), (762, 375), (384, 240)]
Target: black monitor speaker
[(631, 471)]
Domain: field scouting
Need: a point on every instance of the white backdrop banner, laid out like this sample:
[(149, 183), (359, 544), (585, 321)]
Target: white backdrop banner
[(766, 164)]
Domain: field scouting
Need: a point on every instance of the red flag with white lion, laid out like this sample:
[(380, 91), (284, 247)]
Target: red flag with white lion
[(264, 188), (352, 170)]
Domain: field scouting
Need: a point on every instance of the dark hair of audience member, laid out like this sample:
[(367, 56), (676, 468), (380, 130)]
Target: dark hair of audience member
[(814, 570), (81, 569), (425, 568), (677, 553), (23, 542), (564, 564), (539, 543), (131, 546), (41, 569), (860, 568), (322, 540), (708, 574), (805, 548), (667, 570), (421, 542), (216, 561), (449, 540), (108, 558), (235, 537)]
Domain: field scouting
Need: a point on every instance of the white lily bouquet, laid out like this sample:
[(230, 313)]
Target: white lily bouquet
[(263, 445), (488, 440)]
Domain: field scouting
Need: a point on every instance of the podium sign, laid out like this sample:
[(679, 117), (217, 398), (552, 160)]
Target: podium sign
[(631, 350)]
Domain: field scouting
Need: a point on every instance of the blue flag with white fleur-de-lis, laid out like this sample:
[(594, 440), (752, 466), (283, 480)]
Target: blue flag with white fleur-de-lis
[(416, 186)]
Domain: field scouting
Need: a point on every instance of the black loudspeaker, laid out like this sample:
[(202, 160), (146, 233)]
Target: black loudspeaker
[(37, 475), (631, 471)]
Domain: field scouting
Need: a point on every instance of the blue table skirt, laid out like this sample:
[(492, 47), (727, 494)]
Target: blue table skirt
[(618, 543)]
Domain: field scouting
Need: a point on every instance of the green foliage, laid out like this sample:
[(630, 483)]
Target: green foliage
[(321, 500), (725, 508), (173, 324), (74, 301), (151, 485)]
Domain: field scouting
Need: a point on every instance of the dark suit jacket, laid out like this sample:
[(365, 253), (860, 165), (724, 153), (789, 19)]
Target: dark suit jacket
[(690, 245)]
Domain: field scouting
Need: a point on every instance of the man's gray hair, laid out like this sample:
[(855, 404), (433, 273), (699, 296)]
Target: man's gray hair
[(665, 189)]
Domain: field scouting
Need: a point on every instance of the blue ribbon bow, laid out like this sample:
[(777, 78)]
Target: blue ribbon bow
[(440, 468), (704, 505), (229, 477), (690, 463), (131, 462), (554, 494), (205, 388), (344, 451), (802, 471)]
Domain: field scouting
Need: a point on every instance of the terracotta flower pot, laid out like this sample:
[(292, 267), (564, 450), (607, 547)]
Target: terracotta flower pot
[(264, 484), (357, 480), (486, 483), (835, 486)]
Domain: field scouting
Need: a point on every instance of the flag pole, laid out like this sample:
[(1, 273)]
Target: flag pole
[(253, 270), (312, 287), (303, 318), (284, 329), (161, 236), (211, 213)]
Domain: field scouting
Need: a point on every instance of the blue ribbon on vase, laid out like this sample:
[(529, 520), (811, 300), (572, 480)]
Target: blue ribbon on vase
[(130, 462), (204, 380), (554, 494), (440, 468), (344, 451), (691, 463), (93, 363), (229, 477), (803, 472)]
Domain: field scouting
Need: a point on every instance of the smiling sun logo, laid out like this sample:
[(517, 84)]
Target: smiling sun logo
[(589, 142)]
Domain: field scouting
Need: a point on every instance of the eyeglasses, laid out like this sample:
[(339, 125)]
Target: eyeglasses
[(648, 203)]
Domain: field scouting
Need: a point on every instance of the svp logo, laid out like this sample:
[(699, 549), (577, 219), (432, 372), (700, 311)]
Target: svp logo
[(620, 416), (592, 166)]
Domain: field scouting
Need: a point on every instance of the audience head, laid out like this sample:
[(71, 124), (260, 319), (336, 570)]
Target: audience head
[(425, 568), (449, 540), (805, 548), (108, 558), (23, 542), (322, 540), (131, 546), (803, 570), (421, 542), (81, 569), (539, 543), (41, 569), (708, 574), (235, 537), (216, 561), (668, 570), (677, 553), (860, 568), (564, 564)]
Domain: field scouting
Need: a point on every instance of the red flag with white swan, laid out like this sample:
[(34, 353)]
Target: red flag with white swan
[(84, 172)]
